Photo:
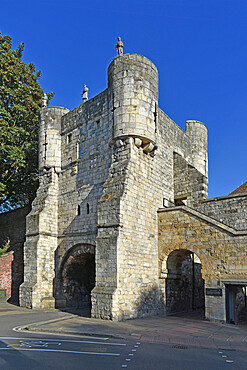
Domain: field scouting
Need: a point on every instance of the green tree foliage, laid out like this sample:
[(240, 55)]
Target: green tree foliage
[(20, 103), (4, 248)]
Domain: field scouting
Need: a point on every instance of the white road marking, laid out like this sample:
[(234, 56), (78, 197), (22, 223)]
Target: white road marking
[(34, 343), (60, 351), (29, 331), (64, 340)]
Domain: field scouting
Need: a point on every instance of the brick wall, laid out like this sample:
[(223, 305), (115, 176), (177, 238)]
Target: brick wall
[(6, 272), (13, 228)]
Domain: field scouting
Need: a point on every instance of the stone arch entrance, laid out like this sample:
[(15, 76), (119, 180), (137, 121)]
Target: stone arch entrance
[(77, 276), (184, 286)]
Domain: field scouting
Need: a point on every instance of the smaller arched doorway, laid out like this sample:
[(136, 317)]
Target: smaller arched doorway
[(184, 283), (77, 276)]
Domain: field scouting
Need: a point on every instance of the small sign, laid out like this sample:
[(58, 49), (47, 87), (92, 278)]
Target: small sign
[(93, 163), (83, 145), (217, 292), (74, 170)]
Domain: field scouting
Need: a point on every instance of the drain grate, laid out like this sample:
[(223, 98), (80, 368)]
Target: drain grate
[(179, 346)]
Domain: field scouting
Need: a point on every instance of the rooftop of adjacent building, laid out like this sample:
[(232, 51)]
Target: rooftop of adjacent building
[(241, 189)]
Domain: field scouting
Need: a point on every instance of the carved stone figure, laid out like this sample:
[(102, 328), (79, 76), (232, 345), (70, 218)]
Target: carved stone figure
[(85, 93), (44, 100), (119, 46)]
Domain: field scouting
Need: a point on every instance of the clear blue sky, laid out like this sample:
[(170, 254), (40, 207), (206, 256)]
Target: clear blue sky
[(198, 46)]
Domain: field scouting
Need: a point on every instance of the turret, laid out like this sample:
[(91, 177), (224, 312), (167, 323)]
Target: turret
[(198, 134), (50, 137), (133, 98)]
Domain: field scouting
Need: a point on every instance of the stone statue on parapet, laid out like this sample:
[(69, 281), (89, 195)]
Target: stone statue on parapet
[(119, 46), (44, 100), (85, 93)]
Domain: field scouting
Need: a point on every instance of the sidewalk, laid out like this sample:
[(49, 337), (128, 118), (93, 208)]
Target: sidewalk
[(180, 331)]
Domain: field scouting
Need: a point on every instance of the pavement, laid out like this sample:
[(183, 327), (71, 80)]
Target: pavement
[(178, 330)]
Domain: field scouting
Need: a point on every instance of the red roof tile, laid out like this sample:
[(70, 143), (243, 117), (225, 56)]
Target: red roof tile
[(240, 189)]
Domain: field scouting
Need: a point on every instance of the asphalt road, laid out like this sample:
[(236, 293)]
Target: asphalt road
[(23, 350)]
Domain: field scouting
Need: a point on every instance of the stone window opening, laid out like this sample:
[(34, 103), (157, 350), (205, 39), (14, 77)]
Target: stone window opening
[(69, 138), (45, 146), (78, 150), (97, 123), (88, 209), (155, 117), (79, 210)]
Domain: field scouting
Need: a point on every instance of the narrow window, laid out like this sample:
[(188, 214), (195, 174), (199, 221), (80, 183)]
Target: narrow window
[(88, 209), (45, 146), (79, 210), (155, 117), (77, 150), (69, 138), (98, 123)]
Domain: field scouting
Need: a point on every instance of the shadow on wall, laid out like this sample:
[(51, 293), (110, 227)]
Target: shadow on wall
[(184, 283), (76, 279), (13, 229), (150, 302), (17, 275)]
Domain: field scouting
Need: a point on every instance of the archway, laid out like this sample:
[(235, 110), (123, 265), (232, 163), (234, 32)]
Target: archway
[(184, 282), (77, 276)]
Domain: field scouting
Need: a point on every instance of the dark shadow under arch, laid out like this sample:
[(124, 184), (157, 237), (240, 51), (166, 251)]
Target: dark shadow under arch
[(184, 283), (77, 277)]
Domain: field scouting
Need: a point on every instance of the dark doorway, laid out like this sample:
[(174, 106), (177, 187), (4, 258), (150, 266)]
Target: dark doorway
[(236, 306), (78, 279), (184, 283)]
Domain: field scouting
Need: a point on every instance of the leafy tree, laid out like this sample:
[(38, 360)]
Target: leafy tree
[(4, 248), (20, 103)]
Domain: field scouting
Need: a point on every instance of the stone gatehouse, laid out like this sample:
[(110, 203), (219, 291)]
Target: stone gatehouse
[(122, 221)]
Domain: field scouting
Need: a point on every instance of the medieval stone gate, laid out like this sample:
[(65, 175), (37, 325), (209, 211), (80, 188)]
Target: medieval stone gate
[(106, 168)]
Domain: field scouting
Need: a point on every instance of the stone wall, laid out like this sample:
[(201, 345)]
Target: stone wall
[(190, 186), (105, 169), (230, 210), (13, 226), (221, 250)]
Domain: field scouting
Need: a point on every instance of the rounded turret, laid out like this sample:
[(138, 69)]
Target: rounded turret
[(198, 133), (50, 137), (133, 98)]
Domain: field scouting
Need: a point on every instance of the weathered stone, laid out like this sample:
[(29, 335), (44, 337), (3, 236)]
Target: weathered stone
[(106, 168)]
